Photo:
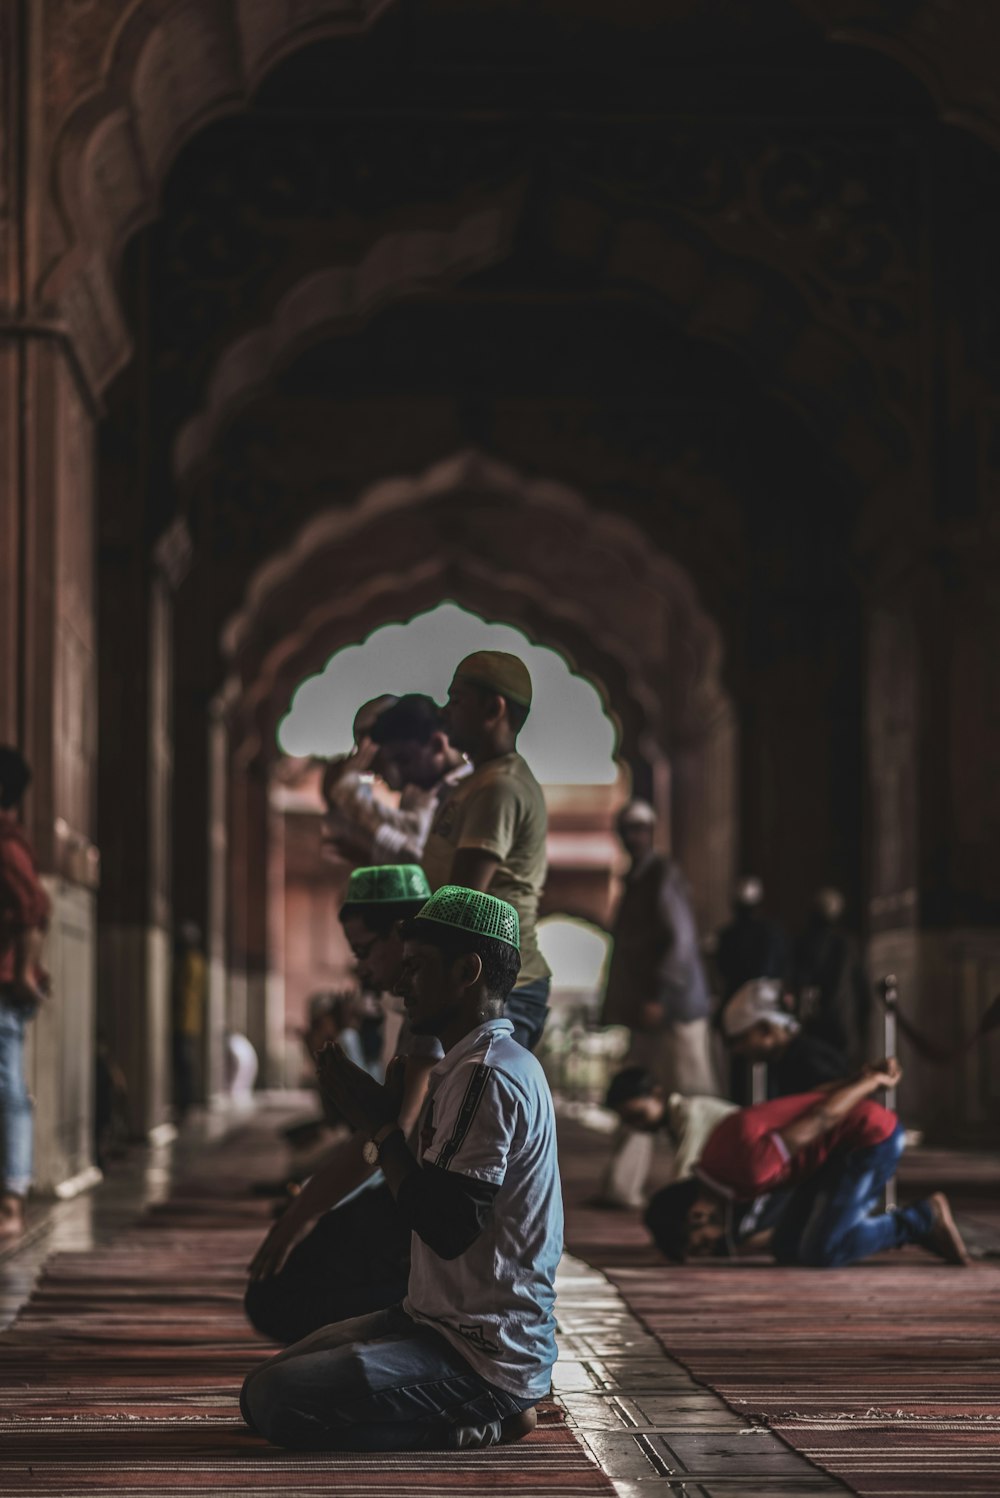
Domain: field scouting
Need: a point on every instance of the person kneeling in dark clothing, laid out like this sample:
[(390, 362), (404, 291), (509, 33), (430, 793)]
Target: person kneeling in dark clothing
[(341, 1247), (801, 1178), (758, 1025)]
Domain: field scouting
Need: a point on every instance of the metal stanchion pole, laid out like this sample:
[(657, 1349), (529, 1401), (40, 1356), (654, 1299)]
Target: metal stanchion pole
[(758, 1082), (889, 999)]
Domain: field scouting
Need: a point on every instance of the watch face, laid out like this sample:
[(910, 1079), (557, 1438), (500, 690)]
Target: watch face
[(369, 1152)]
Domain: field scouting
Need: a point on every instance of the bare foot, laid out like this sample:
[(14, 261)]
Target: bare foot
[(944, 1239), (516, 1427), (11, 1218)]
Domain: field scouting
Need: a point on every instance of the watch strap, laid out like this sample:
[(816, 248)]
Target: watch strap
[(379, 1139)]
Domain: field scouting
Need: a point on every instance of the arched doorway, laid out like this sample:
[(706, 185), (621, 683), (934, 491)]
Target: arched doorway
[(569, 741), (641, 637)]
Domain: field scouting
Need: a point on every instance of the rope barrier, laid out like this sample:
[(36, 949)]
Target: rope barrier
[(930, 1050)]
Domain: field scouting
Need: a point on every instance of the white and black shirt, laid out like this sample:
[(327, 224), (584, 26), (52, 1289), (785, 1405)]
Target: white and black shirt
[(487, 1211)]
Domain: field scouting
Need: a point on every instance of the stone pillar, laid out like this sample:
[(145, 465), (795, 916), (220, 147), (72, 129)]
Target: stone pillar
[(135, 822), (703, 782), (237, 902), (47, 637), (201, 751), (214, 1070), (59, 737), (47, 689), (255, 888), (275, 956), (933, 731)]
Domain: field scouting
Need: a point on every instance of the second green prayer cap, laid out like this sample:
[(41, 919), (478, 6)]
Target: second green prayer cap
[(387, 884), (473, 911)]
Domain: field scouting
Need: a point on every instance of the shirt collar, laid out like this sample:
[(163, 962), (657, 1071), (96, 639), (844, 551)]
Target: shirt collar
[(472, 1042)]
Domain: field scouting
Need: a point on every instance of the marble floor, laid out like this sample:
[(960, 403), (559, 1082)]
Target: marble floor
[(649, 1425)]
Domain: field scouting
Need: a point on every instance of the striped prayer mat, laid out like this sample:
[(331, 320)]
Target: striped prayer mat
[(886, 1374), (122, 1375)]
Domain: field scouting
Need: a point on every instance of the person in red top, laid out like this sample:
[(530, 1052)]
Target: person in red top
[(24, 913), (802, 1178)]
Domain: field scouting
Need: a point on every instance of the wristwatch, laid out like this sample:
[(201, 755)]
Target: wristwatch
[(372, 1148)]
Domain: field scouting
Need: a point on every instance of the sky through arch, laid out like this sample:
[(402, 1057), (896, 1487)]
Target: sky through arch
[(568, 738)]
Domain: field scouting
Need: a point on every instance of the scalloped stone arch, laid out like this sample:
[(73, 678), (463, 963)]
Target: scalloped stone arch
[(169, 69), (534, 554), (400, 264), (705, 291)]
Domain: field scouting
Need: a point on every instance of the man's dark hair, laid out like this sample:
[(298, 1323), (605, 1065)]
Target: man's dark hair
[(666, 1217), (633, 1082), (15, 776), (501, 962), (415, 718), (378, 915)]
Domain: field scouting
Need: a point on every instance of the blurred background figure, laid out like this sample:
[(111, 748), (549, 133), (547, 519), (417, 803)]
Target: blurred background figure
[(759, 1024), (24, 986), (657, 988), (190, 992), (751, 945), (406, 747), (347, 779), (834, 995), (241, 1069), (642, 1105)]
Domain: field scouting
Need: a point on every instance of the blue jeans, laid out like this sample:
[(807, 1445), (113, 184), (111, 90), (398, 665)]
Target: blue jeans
[(381, 1382), (527, 1009), (835, 1218), (16, 1109)]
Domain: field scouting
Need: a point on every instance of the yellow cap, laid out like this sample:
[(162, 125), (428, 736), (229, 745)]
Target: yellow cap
[(498, 672)]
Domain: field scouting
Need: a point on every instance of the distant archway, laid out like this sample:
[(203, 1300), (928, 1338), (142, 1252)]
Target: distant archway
[(534, 554), (569, 738)]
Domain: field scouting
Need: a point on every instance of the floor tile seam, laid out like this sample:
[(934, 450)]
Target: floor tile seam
[(834, 1483), (828, 1480)]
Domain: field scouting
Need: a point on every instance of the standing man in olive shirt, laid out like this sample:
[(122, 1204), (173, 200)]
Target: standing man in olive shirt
[(489, 834)]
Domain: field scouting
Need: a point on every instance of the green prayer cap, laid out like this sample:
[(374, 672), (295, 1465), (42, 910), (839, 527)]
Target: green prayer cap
[(387, 884), (499, 672), (473, 911)]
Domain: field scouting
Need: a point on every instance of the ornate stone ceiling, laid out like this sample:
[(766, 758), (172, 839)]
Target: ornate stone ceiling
[(690, 270)]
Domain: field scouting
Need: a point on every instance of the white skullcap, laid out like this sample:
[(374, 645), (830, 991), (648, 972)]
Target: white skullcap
[(830, 903), (759, 1000), (639, 812), (749, 890)]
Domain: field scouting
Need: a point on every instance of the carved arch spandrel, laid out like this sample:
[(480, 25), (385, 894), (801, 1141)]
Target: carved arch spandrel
[(169, 67), (812, 368), (127, 88)]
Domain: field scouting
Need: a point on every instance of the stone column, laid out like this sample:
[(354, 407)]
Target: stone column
[(933, 733), (255, 872), (275, 957), (703, 781), (135, 822), (58, 732), (47, 637)]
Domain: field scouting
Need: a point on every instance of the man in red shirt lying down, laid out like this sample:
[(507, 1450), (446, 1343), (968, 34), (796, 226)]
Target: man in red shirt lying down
[(802, 1178)]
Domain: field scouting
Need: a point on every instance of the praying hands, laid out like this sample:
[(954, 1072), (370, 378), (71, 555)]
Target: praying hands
[(366, 1104)]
